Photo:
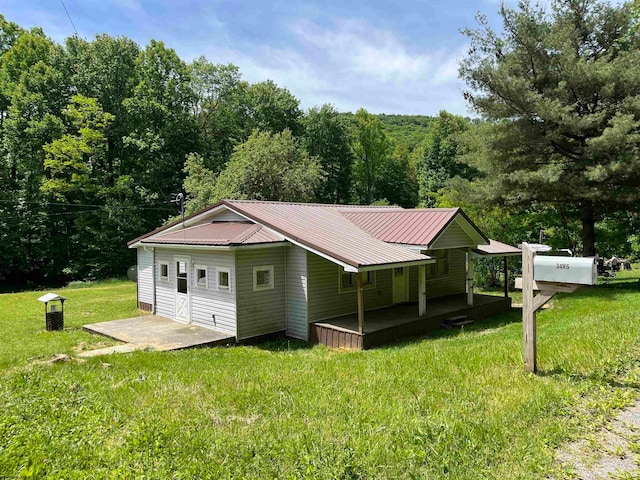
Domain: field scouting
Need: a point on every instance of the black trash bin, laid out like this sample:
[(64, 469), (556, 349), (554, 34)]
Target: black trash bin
[(54, 316)]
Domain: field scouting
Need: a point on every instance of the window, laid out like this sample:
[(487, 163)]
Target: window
[(263, 277), (348, 281), (181, 269), (223, 279), (201, 276), (440, 269), (164, 271)]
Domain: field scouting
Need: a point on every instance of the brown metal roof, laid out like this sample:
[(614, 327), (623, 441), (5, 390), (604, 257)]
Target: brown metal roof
[(496, 248), (325, 229), (412, 227), (217, 233)]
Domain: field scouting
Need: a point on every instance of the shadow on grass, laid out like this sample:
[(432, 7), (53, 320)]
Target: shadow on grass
[(486, 325)]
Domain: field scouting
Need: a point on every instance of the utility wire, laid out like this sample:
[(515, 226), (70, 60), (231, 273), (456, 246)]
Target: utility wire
[(69, 16)]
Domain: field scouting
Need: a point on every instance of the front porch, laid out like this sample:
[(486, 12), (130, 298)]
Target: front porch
[(399, 321)]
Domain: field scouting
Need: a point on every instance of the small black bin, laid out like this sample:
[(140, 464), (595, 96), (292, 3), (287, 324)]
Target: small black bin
[(54, 311), (55, 321)]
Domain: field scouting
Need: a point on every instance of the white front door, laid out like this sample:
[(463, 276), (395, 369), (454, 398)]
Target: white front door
[(183, 267), (400, 285)]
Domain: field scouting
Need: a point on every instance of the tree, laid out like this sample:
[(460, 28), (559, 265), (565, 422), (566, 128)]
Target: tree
[(396, 181), (370, 147), (560, 90), (326, 137), (440, 160), (272, 109), (269, 166), (199, 184)]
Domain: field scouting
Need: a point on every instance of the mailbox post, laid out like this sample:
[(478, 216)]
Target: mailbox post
[(54, 317), (549, 275)]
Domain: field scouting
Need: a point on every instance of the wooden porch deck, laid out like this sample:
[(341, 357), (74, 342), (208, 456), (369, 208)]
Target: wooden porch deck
[(400, 321)]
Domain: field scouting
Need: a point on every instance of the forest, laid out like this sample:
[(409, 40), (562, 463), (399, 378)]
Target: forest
[(97, 137)]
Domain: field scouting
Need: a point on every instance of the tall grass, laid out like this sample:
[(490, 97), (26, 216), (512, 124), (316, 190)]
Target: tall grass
[(453, 405)]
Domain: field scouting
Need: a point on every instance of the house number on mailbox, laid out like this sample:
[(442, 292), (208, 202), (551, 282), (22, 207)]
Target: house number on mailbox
[(562, 266)]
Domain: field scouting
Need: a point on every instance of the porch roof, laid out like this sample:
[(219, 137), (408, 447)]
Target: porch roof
[(497, 249)]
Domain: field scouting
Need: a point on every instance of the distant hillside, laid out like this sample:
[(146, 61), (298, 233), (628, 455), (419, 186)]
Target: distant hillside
[(407, 129)]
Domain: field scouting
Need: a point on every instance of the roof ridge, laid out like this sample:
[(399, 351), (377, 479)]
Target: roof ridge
[(314, 204), (246, 235)]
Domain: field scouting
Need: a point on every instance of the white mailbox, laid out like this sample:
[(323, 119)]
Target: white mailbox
[(582, 271)]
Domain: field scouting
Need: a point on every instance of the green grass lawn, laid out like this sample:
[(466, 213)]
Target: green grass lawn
[(455, 404)]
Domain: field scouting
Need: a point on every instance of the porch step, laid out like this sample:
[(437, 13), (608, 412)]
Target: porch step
[(457, 321)]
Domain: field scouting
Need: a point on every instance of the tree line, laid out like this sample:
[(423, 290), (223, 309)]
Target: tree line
[(96, 136)]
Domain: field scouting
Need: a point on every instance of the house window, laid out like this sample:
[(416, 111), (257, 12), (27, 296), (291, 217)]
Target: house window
[(164, 271), (223, 278), (439, 269), (181, 269), (348, 281), (201, 276), (263, 277)]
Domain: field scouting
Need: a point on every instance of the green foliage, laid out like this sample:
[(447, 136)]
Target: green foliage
[(272, 109), (326, 138), (270, 166), (370, 146), (74, 163), (199, 183), (408, 130), (455, 405), (439, 162), (220, 109), (396, 179), (560, 90)]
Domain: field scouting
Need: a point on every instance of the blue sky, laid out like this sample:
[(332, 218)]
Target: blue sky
[(385, 56)]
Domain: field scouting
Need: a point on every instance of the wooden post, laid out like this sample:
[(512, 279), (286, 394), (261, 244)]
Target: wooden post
[(528, 312), (360, 303), (506, 277), (469, 278), (422, 291)]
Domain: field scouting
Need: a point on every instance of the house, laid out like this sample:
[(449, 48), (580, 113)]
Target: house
[(343, 275)]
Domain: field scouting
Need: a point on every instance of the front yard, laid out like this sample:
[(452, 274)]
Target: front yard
[(455, 405)]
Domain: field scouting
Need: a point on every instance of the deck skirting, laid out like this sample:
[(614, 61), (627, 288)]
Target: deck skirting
[(335, 336)]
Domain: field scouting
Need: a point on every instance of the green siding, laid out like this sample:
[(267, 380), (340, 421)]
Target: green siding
[(263, 311), (453, 283), (324, 299), (453, 237)]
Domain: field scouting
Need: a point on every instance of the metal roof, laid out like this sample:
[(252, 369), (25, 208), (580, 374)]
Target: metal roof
[(324, 229), (497, 249), (217, 233), (411, 227), (50, 297)]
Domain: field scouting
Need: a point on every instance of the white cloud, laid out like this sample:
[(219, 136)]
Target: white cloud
[(353, 65)]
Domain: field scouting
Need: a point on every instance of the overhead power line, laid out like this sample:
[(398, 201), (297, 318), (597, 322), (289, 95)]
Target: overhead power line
[(69, 16)]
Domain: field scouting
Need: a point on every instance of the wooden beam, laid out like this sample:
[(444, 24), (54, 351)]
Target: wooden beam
[(528, 312), (360, 303), (469, 277), (543, 297), (506, 277), (550, 286), (422, 291)]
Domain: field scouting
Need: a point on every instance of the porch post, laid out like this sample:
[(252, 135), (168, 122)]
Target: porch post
[(506, 277), (469, 278), (360, 303), (422, 291)]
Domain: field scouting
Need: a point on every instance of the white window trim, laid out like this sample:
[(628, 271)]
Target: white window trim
[(163, 278), (226, 288), (370, 286), (206, 276), (269, 286)]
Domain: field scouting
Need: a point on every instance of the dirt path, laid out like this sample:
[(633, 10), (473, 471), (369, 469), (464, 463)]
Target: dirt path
[(613, 452)]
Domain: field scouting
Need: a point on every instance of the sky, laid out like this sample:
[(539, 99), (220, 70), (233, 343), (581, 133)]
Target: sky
[(394, 57)]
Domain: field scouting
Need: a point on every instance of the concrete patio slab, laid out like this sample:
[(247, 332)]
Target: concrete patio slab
[(159, 333)]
